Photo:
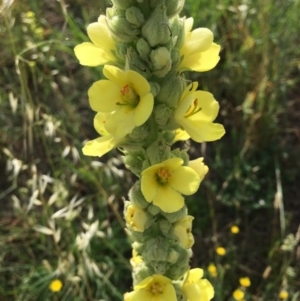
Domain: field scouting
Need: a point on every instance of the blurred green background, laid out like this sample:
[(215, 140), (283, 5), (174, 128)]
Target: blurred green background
[(61, 212)]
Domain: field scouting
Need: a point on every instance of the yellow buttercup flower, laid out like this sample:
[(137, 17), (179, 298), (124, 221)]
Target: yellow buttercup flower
[(283, 295), (164, 183), (198, 51), (55, 285), (153, 288), (126, 94), (221, 251), (196, 289), (136, 218), (212, 269), (102, 145), (183, 231), (100, 51), (234, 229), (196, 112), (238, 294), (245, 281)]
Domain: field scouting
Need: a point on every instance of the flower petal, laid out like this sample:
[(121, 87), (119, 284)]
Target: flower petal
[(116, 75), (99, 123), (100, 146), (90, 55), (141, 295), (185, 180), (138, 82), (168, 293), (199, 167), (100, 36), (104, 96), (173, 163), (149, 186), (144, 109), (168, 200)]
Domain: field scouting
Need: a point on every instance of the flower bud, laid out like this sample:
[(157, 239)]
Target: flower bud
[(120, 28), (136, 196), (199, 167), (135, 217), (134, 161), (175, 216), (162, 114), (134, 16), (181, 33), (182, 230), (161, 61), (153, 210), (158, 152), (164, 226), (156, 249), (139, 133), (177, 270), (172, 87), (141, 272), (154, 88), (174, 7), (122, 4), (143, 49), (159, 267), (172, 256), (156, 29)]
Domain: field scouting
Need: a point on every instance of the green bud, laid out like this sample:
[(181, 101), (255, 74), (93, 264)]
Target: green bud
[(158, 152), (120, 28), (159, 267), (140, 272), (177, 269), (121, 50), (153, 210), (172, 256), (143, 49), (174, 7), (133, 62), (162, 113), (156, 249), (164, 226), (156, 30), (180, 34), (172, 87), (138, 247), (161, 61), (181, 154), (179, 294), (139, 133), (134, 163), (122, 4), (175, 216), (136, 196), (176, 58), (155, 88), (134, 16)]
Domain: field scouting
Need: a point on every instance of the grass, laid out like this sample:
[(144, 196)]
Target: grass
[(61, 212)]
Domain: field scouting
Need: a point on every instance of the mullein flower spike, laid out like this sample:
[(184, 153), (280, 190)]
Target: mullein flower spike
[(143, 107)]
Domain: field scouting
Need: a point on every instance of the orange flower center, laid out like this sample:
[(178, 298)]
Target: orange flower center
[(163, 175), (156, 289), (129, 96)]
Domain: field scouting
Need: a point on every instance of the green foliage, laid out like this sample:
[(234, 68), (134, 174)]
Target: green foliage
[(60, 212)]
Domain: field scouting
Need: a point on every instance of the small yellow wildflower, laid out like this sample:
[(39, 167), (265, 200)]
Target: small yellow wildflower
[(55, 285), (194, 288), (283, 295), (195, 114), (156, 287), (238, 294), (212, 269), (234, 229), (245, 281), (164, 183), (124, 94), (100, 51), (199, 53), (221, 251)]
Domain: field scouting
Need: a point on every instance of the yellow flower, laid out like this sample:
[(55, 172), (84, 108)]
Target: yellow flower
[(127, 296), (283, 295), (164, 183), (154, 288), (234, 229), (102, 145), (212, 269), (199, 52), (126, 94), (55, 285), (238, 294), (182, 229), (221, 251), (99, 52), (196, 112), (136, 218), (245, 281), (196, 289)]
